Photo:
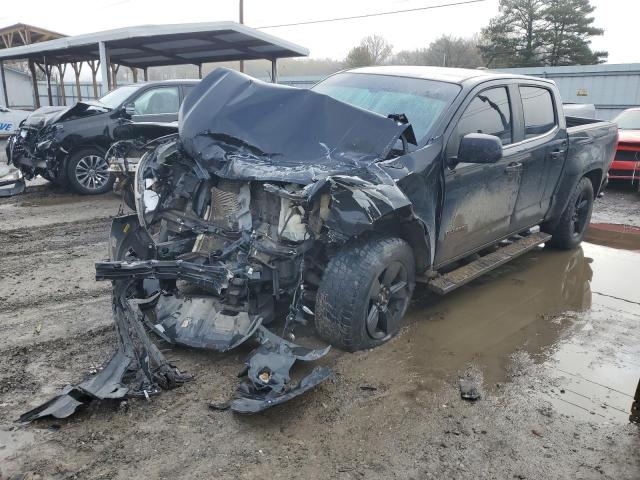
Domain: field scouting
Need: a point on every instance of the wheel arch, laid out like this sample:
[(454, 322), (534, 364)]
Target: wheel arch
[(595, 176), (84, 146), (409, 229)]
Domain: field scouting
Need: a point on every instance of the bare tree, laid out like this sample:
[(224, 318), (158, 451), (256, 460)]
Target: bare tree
[(450, 51), (373, 50), (447, 51)]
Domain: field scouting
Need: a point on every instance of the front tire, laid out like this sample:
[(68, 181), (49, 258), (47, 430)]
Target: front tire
[(570, 229), (88, 172), (365, 292)]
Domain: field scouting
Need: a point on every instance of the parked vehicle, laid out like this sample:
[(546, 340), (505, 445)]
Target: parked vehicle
[(328, 205), (626, 163), (10, 119), (67, 145)]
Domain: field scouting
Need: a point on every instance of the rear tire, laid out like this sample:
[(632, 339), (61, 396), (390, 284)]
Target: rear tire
[(87, 172), (570, 229), (365, 292)]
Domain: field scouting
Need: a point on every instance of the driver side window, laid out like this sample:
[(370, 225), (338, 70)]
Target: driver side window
[(158, 101), (489, 112)]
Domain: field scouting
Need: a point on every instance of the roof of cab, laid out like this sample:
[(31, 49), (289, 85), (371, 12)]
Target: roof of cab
[(443, 74)]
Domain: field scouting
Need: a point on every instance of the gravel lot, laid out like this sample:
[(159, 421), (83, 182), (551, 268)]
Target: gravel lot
[(553, 338)]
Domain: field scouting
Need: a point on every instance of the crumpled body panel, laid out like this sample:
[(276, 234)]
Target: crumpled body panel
[(242, 128)]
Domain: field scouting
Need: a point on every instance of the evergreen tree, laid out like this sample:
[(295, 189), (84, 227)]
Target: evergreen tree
[(570, 27), (530, 33)]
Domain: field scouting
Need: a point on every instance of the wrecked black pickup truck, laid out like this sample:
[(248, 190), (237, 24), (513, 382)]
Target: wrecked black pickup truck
[(274, 206)]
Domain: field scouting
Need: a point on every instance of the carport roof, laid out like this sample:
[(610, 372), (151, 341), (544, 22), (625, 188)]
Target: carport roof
[(156, 45)]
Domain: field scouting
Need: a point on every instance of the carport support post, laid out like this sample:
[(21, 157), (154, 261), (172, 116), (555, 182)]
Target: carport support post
[(134, 72), (77, 67), (34, 82), (200, 71), (4, 98), (104, 67), (62, 71), (146, 74), (274, 71), (47, 72)]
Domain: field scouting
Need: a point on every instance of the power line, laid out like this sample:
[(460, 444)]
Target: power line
[(430, 7)]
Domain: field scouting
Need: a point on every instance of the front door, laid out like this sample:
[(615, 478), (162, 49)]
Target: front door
[(479, 199)]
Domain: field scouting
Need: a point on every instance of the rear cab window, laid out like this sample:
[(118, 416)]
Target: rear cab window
[(538, 109)]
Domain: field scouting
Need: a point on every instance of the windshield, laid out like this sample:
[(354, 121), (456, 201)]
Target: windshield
[(628, 120), (422, 101), (114, 98)]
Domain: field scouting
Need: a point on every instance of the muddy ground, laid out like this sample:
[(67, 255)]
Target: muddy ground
[(554, 339)]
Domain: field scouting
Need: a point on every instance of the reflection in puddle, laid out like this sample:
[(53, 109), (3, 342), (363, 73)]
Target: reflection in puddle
[(508, 309), (575, 312)]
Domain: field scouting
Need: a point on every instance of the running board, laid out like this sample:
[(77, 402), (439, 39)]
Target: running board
[(450, 281)]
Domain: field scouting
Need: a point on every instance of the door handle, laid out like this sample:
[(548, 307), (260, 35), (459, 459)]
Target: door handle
[(558, 153), (513, 167)]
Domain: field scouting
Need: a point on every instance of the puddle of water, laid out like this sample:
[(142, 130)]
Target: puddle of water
[(509, 309), (597, 362), (576, 312)]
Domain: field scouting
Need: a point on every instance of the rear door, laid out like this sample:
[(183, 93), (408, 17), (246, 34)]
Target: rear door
[(479, 199), (543, 145), (157, 104)]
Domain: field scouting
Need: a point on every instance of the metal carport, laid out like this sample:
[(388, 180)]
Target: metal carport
[(149, 46)]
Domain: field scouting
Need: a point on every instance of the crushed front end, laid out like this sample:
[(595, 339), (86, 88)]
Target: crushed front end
[(233, 229), (36, 150)]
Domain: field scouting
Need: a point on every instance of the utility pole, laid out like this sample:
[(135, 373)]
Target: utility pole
[(242, 23)]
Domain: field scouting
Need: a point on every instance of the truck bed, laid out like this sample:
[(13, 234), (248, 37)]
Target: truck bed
[(592, 144), (573, 122)]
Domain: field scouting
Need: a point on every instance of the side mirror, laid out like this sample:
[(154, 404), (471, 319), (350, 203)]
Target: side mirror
[(129, 109), (479, 148)]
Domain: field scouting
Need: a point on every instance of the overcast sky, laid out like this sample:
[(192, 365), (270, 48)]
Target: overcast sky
[(619, 18)]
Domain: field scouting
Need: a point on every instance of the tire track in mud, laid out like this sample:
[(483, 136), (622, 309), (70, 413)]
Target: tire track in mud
[(33, 192), (57, 236), (51, 277), (32, 373)]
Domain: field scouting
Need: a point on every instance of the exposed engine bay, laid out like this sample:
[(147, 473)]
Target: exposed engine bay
[(233, 230)]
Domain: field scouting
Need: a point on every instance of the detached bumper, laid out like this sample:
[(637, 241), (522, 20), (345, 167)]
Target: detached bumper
[(9, 188)]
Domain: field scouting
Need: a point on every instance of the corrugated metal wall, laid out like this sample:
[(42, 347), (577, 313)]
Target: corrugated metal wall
[(611, 88)]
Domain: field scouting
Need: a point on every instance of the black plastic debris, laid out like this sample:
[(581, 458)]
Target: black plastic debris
[(137, 368), (268, 373), (18, 187)]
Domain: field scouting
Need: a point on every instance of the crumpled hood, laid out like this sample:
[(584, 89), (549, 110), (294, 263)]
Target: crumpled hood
[(45, 116), (241, 128)]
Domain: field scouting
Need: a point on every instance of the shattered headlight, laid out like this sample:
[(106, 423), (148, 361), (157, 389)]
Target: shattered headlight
[(146, 198), (47, 139), (45, 144)]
